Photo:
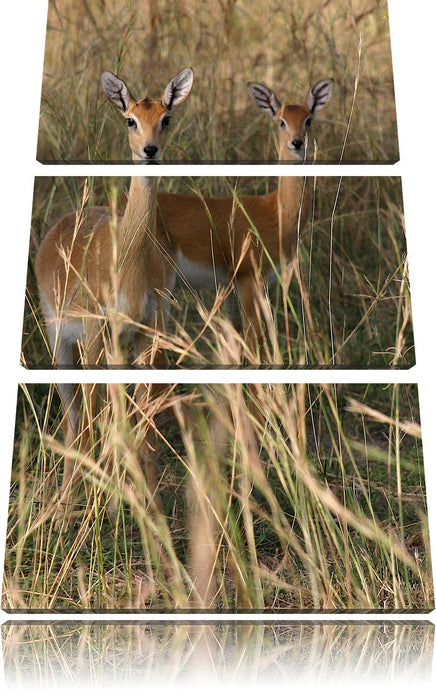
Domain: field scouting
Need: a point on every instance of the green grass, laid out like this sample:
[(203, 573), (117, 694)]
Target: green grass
[(286, 45), (347, 303), (315, 496)]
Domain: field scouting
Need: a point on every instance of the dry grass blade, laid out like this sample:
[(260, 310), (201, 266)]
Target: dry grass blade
[(407, 427)]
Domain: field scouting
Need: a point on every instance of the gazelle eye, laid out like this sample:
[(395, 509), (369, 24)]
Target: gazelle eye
[(282, 123), (165, 122), (308, 122), (131, 122)]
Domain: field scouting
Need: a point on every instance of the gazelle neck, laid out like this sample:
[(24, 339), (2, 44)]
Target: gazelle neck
[(293, 199), (139, 220), (137, 245)]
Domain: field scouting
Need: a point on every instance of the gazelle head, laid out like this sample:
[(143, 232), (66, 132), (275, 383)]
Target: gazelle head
[(147, 120), (293, 120)]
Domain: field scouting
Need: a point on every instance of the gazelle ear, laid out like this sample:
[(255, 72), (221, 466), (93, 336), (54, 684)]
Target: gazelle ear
[(116, 91), (320, 95), (264, 98), (178, 88)]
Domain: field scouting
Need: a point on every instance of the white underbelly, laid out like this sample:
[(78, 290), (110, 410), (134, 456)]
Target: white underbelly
[(64, 331), (199, 276)]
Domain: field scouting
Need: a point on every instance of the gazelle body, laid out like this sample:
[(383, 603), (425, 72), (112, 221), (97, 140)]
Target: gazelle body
[(213, 236)]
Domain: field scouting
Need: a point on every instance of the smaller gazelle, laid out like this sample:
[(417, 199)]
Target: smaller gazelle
[(225, 238), (90, 271), (278, 218)]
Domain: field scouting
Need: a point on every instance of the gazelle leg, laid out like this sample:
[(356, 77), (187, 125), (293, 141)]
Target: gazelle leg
[(207, 496), (77, 422), (147, 346), (93, 344), (70, 407), (147, 397), (149, 352), (78, 416), (70, 425), (250, 297)]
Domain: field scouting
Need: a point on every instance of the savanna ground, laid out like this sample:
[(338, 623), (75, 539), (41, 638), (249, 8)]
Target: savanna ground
[(316, 492), (80, 652), (287, 45), (343, 301)]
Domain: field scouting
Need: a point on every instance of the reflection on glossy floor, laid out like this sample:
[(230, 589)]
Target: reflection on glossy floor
[(165, 653)]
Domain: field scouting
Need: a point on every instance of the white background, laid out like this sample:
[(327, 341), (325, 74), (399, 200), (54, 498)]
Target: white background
[(413, 27)]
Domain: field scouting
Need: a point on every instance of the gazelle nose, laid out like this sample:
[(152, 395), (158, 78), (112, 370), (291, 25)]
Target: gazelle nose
[(150, 151), (297, 143)]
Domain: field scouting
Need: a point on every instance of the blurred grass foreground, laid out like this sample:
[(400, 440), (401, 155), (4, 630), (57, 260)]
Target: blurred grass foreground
[(314, 497)]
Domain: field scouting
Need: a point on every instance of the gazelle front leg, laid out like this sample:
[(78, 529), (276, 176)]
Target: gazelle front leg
[(204, 514), (78, 415), (148, 398), (255, 311), (148, 351), (208, 438)]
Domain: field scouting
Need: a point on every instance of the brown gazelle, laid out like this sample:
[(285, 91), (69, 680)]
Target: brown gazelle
[(78, 257), (278, 218), (213, 237), (89, 270)]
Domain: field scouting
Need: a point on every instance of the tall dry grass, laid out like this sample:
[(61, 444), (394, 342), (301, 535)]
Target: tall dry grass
[(313, 498), (288, 45), (344, 300)]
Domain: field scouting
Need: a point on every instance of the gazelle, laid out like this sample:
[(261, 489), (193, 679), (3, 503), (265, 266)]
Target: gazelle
[(213, 236), (278, 218), (86, 271), (78, 256)]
